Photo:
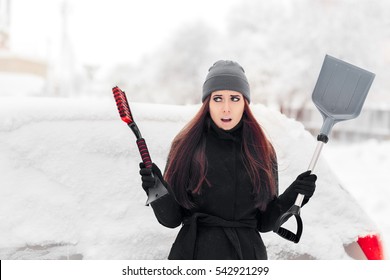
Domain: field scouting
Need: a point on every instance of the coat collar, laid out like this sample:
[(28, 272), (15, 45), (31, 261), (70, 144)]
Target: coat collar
[(231, 134)]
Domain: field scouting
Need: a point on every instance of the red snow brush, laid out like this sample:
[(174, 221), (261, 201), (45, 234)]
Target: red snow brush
[(124, 111)]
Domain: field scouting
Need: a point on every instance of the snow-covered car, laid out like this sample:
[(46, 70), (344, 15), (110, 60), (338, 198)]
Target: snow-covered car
[(70, 187)]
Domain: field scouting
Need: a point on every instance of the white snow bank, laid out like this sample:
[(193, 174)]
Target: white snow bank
[(363, 168), (70, 187)]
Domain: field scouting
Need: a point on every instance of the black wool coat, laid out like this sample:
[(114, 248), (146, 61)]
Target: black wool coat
[(225, 223)]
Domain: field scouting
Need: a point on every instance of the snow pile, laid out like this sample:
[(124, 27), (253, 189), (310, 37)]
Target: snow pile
[(364, 169), (70, 188)]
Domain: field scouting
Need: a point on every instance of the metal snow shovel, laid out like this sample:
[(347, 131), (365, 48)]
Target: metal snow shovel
[(339, 95)]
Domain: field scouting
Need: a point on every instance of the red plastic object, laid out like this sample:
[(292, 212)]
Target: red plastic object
[(372, 247), (122, 104)]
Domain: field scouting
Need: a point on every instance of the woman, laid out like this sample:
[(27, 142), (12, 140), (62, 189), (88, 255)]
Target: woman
[(222, 176)]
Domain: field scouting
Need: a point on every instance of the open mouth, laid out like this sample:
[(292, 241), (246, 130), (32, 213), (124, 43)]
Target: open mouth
[(226, 120)]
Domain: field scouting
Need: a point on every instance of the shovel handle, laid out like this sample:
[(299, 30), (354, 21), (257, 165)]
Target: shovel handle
[(285, 233), (296, 208)]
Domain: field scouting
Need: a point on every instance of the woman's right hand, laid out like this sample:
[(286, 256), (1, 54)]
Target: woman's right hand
[(148, 180)]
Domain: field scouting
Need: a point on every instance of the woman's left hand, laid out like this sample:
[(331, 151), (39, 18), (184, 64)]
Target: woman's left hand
[(304, 184)]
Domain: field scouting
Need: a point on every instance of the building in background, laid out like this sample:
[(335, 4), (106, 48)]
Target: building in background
[(4, 23), (19, 75)]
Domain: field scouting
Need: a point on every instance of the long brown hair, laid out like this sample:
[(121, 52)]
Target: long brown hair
[(187, 163)]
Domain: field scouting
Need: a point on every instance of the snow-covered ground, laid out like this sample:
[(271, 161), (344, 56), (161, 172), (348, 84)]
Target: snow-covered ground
[(70, 188)]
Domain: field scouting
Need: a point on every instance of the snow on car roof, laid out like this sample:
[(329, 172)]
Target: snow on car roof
[(70, 182)]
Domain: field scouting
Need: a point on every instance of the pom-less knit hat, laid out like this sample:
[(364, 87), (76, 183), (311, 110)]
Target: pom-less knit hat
[(226, 75)]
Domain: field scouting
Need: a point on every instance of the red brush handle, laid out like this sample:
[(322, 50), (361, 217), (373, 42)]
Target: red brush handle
[(144, 152)]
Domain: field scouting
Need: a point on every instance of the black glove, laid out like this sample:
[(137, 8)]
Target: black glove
[(148, 180), (304, 184)]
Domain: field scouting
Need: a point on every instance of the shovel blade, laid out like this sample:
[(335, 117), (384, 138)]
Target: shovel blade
[(340, 91)]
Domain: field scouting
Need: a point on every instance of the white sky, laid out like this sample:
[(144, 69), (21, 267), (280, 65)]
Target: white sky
[(107, 31)]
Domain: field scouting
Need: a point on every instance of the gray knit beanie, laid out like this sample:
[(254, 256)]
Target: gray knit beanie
[(226, 75)]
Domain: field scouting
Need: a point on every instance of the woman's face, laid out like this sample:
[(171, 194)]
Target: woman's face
[(226, 108)]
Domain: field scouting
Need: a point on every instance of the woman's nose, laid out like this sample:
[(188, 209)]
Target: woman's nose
[(226, 106)]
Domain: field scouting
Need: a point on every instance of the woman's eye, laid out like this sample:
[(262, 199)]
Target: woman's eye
[(235, 98), (217, 99)]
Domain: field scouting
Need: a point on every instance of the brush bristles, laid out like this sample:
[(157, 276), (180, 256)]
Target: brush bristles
[(123, 105)]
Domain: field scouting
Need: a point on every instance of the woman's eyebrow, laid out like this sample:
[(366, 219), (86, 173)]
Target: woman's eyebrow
[(232, 95)]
